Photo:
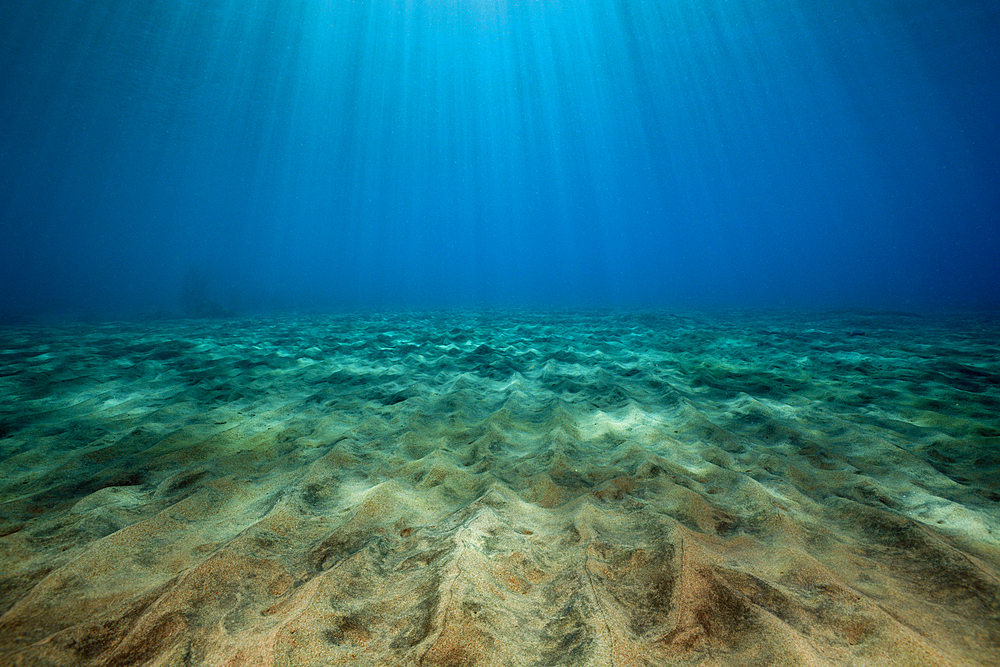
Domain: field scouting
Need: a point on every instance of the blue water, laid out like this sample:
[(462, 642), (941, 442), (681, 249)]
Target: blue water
[(314, 154)]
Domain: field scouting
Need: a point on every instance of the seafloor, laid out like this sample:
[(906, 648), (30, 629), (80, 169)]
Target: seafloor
[(599, 489)]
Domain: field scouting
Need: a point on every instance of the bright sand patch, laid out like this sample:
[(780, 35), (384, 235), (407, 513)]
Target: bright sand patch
[(502, 489)]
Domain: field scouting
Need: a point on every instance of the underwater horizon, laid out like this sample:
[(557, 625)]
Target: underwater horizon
[(329, 155)]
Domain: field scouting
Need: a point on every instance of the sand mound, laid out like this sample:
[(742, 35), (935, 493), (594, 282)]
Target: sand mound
[(488, 490)]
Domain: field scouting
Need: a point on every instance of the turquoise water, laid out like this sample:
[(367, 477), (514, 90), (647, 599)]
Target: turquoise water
[(357, 154)]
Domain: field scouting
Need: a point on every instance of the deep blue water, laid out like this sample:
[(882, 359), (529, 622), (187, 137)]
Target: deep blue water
[(302, 154)]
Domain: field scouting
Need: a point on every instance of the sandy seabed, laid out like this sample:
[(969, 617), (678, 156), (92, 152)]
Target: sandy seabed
[(502, 489)]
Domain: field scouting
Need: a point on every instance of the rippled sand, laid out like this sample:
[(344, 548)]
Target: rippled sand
[(502, 489)]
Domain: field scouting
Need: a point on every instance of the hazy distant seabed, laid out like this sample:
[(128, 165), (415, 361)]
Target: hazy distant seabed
[(506, 488)]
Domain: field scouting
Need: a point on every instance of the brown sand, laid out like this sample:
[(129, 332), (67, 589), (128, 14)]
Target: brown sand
[(501, 490)]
